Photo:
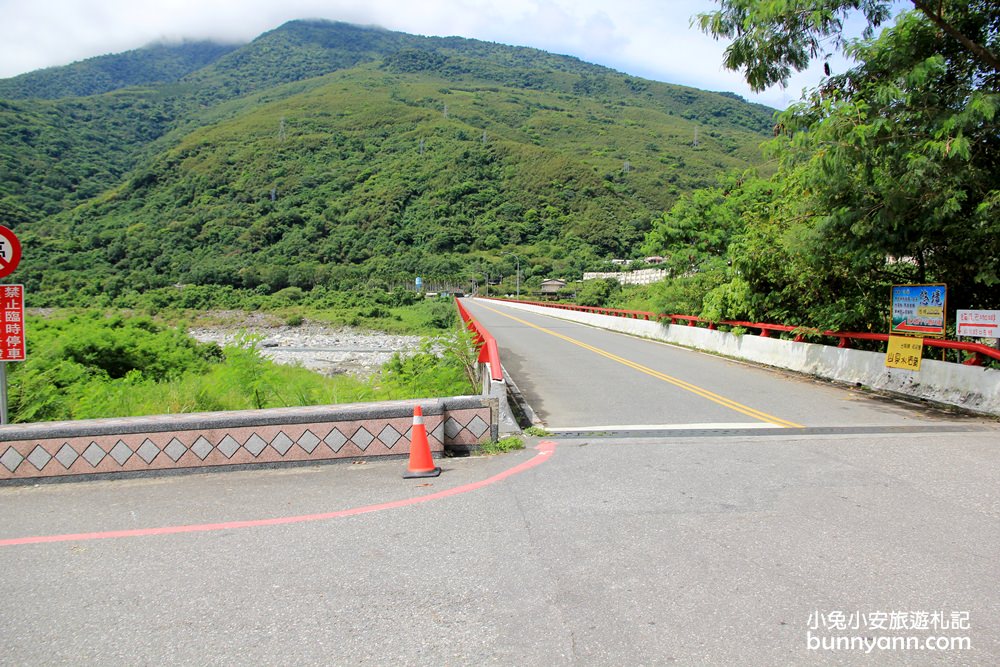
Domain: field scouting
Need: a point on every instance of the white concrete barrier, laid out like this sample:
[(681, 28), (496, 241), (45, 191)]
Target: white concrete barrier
[(970, 387)]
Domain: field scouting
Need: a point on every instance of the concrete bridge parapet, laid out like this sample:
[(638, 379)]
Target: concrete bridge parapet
[(972, 388), (51, 450)]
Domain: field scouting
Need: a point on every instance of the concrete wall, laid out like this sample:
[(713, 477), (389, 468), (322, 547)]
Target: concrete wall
[(969, 387), (217, 439), (499, 390), (639, 277)]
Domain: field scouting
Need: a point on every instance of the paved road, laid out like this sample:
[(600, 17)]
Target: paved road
[(703, 547), (574, 375)]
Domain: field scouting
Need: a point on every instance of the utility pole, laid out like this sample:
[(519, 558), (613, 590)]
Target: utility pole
[(517, 279)]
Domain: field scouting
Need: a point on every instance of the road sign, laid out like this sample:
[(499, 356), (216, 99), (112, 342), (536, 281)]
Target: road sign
[(12, 325), (10, 252), (918, 310), (904, 352), (979, 323)]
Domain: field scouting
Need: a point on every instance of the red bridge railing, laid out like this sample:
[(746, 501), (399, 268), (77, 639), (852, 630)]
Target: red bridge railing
[(979, 353), (486, 344)]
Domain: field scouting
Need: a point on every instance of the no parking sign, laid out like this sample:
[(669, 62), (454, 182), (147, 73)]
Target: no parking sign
[(10, 252), (12, 309)]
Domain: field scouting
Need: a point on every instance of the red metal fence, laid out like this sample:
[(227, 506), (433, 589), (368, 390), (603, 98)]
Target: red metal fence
[(978, 353), (487, 345)]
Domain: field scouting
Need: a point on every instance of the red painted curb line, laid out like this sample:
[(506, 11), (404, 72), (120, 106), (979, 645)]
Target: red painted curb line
[(545, 451)]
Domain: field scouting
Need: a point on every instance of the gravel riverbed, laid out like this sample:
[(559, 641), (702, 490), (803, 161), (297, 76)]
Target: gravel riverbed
[(326, 349)]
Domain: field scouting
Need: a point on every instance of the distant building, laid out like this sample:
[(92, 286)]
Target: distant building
[(640, 277), (655, 259), (550, 288)]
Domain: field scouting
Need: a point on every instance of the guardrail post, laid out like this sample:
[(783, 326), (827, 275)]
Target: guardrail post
[(976, 359)]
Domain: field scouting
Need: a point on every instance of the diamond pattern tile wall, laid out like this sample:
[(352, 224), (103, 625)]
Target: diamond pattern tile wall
[(335, 440), (138, 451), (202, 448), (175, 449), (147, 451), (121, 453), (229, 446), (478, 426), (308, 441), (282, 443), (39, 457), (11, 459), (452, 428), (389, 436), (94, 454), (67, 456), (362, 438), (255, 445)]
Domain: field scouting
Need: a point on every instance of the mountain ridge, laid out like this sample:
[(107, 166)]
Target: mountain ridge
[(321, 152), (155, 63)]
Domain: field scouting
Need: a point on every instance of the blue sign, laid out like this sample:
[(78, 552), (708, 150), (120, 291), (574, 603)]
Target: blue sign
[(918, 310)]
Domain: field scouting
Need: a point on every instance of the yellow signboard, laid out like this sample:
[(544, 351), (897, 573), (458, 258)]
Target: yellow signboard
[(904, 352), (930, 311)]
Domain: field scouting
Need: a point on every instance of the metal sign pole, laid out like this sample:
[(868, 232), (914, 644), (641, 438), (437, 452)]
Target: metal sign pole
[(3, 392)]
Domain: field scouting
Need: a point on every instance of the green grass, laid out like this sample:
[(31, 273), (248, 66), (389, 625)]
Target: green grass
[(90, 365), (502, 446)]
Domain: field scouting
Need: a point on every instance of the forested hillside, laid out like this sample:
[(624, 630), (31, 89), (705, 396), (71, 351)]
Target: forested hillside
[(154, 64), (327, 154), (885, 173)]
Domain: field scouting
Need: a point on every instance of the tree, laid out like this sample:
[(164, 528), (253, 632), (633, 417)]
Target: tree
[(887, 171), (701, 225), (770, 38)]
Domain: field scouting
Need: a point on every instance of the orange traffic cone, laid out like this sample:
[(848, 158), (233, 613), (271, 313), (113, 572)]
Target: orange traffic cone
[(421, 463)]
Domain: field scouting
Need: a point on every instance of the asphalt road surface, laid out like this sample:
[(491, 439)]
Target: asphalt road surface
[(730, 536), (574, 375)]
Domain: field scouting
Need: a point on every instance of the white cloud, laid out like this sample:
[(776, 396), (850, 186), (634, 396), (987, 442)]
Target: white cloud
[(648, 38)]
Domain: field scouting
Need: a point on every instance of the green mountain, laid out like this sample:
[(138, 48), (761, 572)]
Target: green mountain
[(328, 154), (154, 64)]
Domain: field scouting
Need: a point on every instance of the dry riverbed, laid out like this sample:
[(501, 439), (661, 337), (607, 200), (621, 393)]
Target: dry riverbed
[(323, 348)]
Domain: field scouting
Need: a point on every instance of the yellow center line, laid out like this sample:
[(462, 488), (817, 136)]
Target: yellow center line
[(687, 386)]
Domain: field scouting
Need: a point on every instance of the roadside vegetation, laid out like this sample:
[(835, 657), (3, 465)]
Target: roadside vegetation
[(91, 364), (502, 446), (371, 306), (852, 204)]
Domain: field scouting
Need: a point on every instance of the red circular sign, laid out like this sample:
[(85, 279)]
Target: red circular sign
[(10, 252)]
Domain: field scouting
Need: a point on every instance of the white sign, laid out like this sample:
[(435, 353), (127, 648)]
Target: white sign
[(979, 323)]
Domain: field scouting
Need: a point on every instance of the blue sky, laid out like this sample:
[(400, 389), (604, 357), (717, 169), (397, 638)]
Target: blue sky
[(647, 38)]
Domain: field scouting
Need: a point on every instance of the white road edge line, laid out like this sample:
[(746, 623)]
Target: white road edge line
[(660, 427)]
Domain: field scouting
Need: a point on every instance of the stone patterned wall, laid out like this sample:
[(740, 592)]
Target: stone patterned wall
[(172, 442)]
